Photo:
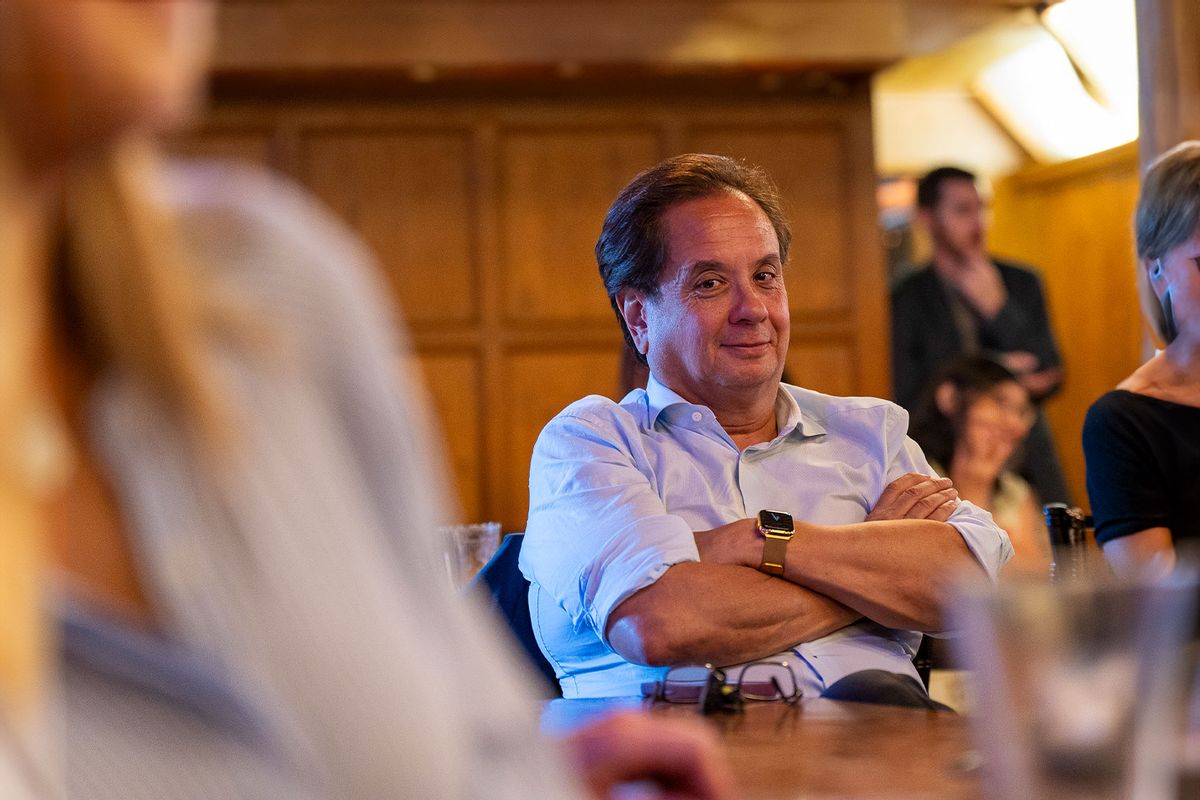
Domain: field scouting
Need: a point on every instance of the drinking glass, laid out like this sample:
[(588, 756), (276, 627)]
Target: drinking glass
[(468, 548), (1078, 685)]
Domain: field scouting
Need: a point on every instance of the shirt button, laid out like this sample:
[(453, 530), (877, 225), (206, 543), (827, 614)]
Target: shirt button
[(697, 416)]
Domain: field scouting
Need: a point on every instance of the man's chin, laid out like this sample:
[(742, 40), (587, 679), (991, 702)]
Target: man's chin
[(752, 375)]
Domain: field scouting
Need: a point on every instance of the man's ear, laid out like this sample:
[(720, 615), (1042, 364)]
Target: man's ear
[(632, 303), (945, 396)]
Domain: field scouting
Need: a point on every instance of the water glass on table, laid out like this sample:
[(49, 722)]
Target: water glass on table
[(1078, 686), (467, 548)]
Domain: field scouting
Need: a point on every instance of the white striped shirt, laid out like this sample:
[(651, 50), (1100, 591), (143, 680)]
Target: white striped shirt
[(301, 588)]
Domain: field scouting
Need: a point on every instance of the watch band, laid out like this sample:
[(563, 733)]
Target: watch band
[(777, 530), (774, 553)]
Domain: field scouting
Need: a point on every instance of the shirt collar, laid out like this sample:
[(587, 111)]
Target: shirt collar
[(790, 417), (659, 398)]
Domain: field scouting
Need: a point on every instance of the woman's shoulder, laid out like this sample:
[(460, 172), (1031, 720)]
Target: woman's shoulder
[(1114, 401), (263, 238), (237, 216), (251, 193), (1124, 427), (1119, 405), (1124, 404)]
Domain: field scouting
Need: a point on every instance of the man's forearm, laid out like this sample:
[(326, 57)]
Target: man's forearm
[(720, 614), (895, 572)]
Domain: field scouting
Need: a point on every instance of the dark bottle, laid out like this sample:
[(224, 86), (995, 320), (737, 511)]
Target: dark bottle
[(1067, 527)]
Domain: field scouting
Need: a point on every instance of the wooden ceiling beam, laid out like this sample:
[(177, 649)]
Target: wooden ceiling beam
[(461, 45), (313, 35), (1168, 74)]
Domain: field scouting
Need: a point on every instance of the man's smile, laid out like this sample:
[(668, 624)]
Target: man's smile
[(748, 347)]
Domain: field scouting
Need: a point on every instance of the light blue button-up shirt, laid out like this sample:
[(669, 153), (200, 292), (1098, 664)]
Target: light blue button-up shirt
[(616, 491)]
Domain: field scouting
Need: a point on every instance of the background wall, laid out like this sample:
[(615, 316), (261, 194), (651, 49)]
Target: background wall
[(1073, 221), (483, 211), (477, 143)]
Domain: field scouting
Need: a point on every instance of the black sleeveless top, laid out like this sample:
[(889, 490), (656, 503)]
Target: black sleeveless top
[(1143, 466)]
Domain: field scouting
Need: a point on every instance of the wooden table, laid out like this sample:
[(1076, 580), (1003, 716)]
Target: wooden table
[(825, 748)]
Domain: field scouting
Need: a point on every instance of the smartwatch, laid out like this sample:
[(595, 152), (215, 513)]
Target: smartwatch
[(777, 529)]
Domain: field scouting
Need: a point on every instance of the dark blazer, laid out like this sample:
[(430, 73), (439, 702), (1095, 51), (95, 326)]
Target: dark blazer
[(925, 338)]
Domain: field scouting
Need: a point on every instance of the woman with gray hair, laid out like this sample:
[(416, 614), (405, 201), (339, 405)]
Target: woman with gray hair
[(1142, 441)]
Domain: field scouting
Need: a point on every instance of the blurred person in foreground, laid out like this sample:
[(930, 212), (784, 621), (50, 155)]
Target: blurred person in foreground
[(967, 302), (971, 423), (1142, 440), (719, 515), (240, 489)]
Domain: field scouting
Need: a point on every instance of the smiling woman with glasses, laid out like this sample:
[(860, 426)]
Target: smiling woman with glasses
[(972, 422)]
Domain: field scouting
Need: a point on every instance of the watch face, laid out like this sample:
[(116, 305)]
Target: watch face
[(775, 519)]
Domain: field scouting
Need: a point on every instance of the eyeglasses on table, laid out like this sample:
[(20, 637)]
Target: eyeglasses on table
[(709, 687)]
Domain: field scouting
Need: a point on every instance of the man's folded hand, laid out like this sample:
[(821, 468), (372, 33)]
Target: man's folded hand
[(914, 496)]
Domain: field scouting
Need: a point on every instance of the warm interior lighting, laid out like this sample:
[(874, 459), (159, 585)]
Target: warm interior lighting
[(1100, 36), (1037, 95)]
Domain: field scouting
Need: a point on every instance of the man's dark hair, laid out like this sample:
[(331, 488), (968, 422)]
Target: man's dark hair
[(632, 249), (929, 188)]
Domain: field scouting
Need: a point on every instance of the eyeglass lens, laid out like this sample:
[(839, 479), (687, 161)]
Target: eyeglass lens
[(686, 684), (767, 681), (760, 681)]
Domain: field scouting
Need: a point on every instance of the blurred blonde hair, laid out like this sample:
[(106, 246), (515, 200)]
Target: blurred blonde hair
[(134, 304), (23, 649), (142, 306), (124, 296)]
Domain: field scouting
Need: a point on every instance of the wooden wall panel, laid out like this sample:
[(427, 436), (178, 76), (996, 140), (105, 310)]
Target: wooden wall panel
[(555, 186), (254, 147), (1074, 223), (539, 384), (454, 388), (410, 194), (484, 213), (823, 366), (809, 166)]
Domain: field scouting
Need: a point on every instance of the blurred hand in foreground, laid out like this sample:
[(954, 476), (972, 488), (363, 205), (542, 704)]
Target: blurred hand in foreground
[(678, 759)]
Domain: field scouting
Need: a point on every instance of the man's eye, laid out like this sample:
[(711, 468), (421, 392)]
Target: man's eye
[(766, 275), (709, 284)]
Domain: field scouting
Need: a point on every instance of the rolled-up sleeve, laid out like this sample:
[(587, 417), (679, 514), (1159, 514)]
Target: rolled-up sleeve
[(984, 538), (597, 530)]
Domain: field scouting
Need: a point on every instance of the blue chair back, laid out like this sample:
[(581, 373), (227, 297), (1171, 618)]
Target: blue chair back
[(508, 591)]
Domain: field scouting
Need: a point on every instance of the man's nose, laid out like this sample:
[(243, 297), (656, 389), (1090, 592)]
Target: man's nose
[(749, 305)]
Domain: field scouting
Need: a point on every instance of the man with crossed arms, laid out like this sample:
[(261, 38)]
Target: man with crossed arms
[(645, 546)]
